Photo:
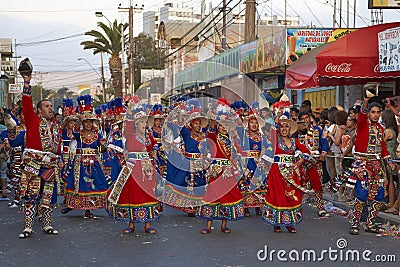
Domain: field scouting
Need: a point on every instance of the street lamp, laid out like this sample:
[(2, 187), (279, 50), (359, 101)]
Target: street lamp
[(101, 76), (100, 14)]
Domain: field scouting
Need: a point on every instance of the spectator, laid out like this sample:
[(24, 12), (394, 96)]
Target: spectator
[(324, 124), (389, 120), (294, 112), (354, 111), (346, 147), (307, 106), (331, 127), (4, 148), (58, 118), (335, 133)]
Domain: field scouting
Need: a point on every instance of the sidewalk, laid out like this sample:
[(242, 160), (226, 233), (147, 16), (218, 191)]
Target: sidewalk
[(382, 217)]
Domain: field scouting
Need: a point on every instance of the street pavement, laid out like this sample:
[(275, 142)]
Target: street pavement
[(100, 242)]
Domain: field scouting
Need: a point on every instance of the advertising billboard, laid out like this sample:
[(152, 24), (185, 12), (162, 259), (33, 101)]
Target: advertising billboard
[(389, 50), (301, 40), (379, 4)]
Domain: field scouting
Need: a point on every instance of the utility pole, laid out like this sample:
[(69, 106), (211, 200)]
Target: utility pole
[(131, 61), (249, 36), (348, 13), (131, 9), (250, 21), (334, 14), (223, 41), (103, 80), (122, 60), (354, 13), (340, 13)]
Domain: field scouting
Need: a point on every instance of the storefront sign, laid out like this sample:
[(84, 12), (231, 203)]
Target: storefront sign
[(378, 4), (389, 50), (15, 88)]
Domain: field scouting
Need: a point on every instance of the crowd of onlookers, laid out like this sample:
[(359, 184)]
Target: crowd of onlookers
[(339, 128)]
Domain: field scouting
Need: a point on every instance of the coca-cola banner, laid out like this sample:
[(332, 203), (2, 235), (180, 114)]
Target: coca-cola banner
[(389, 50), (300, 41)]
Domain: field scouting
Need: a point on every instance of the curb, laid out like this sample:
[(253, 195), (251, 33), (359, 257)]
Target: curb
[(381, 218)]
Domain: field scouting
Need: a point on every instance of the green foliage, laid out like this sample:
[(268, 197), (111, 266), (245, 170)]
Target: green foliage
[(109, 41), (146, 56), (146, 53)]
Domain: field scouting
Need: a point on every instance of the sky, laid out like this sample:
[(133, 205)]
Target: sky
[(30, 22)]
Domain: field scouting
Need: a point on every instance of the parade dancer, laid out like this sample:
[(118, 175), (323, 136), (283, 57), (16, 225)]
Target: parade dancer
[(283, 197), (222, 199), (160, 157), (311, 137), (132, 197), (86, 185), (41, 162), (251, 142), (368, 177), (114, 158), (66, 129), (157, 114), (186, 178), (16, 138)]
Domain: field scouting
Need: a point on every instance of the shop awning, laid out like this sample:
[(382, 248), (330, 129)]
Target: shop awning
[(353, 59)]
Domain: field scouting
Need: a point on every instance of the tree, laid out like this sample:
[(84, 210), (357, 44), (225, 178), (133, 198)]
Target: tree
[(109, 42), (145, 55), (39, 93)]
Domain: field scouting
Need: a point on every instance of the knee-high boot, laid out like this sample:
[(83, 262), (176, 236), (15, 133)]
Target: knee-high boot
[(357, 212), (373, 212), (319, 201), (30, 212), (47, 214)]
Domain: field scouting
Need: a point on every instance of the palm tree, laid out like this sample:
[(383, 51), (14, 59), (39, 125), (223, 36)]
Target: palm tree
[(109, 42)]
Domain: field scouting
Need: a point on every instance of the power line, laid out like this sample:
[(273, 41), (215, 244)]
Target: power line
[(312, 13), (200, 32), (49, 41), (212, 34)]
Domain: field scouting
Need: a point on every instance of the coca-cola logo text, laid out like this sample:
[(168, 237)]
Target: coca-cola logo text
[(343, 67), (376, 68)]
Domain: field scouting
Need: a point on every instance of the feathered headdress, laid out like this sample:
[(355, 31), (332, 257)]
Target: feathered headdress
[(138, 111), (239, 106), (283, 103), (68, 107), (193, 109), (157, 111), (255, 106), (98, 112), (224, 113), (85, 107), (193, 105), (84, 104), (119, 109)]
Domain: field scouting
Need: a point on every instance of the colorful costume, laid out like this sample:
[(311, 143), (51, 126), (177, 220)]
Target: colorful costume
[(86, 184), (160, 158), (186, 177), (186, 173), (16, 139), (113, 158), (368, 170), (251, 146), (284, 195), (132, 197), (40, 172), (314, 142), (67, 151), (222, 199)]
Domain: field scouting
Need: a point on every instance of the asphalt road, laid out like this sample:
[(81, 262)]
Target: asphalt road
[(100, 242)]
